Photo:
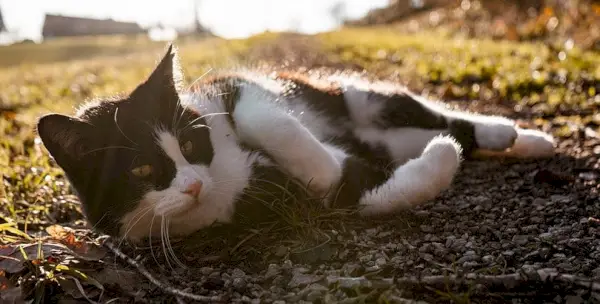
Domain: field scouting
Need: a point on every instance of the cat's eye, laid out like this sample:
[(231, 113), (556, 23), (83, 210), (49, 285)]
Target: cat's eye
[(187, 148), (142, 171)]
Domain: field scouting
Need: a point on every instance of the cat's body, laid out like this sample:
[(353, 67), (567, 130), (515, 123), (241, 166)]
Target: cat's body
[(167, 160)]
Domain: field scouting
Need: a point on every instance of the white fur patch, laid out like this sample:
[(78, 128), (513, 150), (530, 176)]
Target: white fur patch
[(418, 180), (402, 143), (363, 111), (170, 145)]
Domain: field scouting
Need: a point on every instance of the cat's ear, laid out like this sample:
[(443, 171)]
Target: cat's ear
[(167, 74), (67, 139)]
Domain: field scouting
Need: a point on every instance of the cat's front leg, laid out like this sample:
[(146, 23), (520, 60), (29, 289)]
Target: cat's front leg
[(265, 126)]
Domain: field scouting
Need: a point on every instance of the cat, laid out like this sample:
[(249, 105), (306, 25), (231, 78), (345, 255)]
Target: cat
[(165, 158)]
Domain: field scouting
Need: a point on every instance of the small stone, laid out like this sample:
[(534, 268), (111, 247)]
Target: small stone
[(520, 239), (206, 270), (536, 220), (287, 265), (351, 269), (239, 284), (372, 268), (508, 253), (566, 267), (422, 213), (365, 258), (213, 283), (426, 228), (238, 273), (380, 262), (279, 302), (488, 259), (560, 198), (314, 295), (349, 282), (546, 236), (299, 280), (272, 271), (371, 231), (468, 258)]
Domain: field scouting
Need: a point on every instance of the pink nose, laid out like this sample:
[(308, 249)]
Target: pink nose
[(194, 188)]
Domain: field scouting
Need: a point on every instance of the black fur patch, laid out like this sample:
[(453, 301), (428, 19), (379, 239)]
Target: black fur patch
[(402, 110), (358, 177), (464, 133), (377, 156)]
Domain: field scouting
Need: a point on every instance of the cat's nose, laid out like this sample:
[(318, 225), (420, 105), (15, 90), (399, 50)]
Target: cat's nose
[(194, 188)]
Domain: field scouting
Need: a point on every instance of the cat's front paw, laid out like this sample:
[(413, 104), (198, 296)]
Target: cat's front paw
[(496, 134), (320, 175)]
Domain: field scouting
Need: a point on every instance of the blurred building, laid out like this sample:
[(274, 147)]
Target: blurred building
[(63, 26)]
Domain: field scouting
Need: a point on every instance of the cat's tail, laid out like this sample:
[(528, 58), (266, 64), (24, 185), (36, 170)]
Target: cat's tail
[(417, 181)]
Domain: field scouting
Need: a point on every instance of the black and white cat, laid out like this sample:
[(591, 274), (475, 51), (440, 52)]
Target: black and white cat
[(167, 158)]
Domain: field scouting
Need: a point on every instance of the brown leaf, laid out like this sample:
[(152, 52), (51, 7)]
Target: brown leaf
[(63, 234), (83, 250)]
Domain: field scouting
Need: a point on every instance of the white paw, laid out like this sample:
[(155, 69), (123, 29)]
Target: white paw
[(417, 181), (444, 153), (497, 134), (320, 173), (533, 144)]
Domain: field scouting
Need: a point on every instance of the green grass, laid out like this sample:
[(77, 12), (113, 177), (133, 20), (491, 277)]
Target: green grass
[(527, 80)]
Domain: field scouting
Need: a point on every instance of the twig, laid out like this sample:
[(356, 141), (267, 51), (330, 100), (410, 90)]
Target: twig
[(506, 281), (163, 286)]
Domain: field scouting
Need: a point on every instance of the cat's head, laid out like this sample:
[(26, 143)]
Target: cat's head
[(135, 158)]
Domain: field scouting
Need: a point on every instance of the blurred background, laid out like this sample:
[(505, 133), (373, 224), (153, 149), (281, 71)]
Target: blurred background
[(39, 20)]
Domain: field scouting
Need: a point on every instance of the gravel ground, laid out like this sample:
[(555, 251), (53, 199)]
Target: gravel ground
[(500, 217)]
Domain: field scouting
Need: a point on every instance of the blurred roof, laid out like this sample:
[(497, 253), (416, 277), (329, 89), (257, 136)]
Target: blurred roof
[(60, 26)]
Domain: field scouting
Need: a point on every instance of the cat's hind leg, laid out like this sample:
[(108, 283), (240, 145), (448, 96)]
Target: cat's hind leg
[(500, 136), (416, 181), (404, 123)]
